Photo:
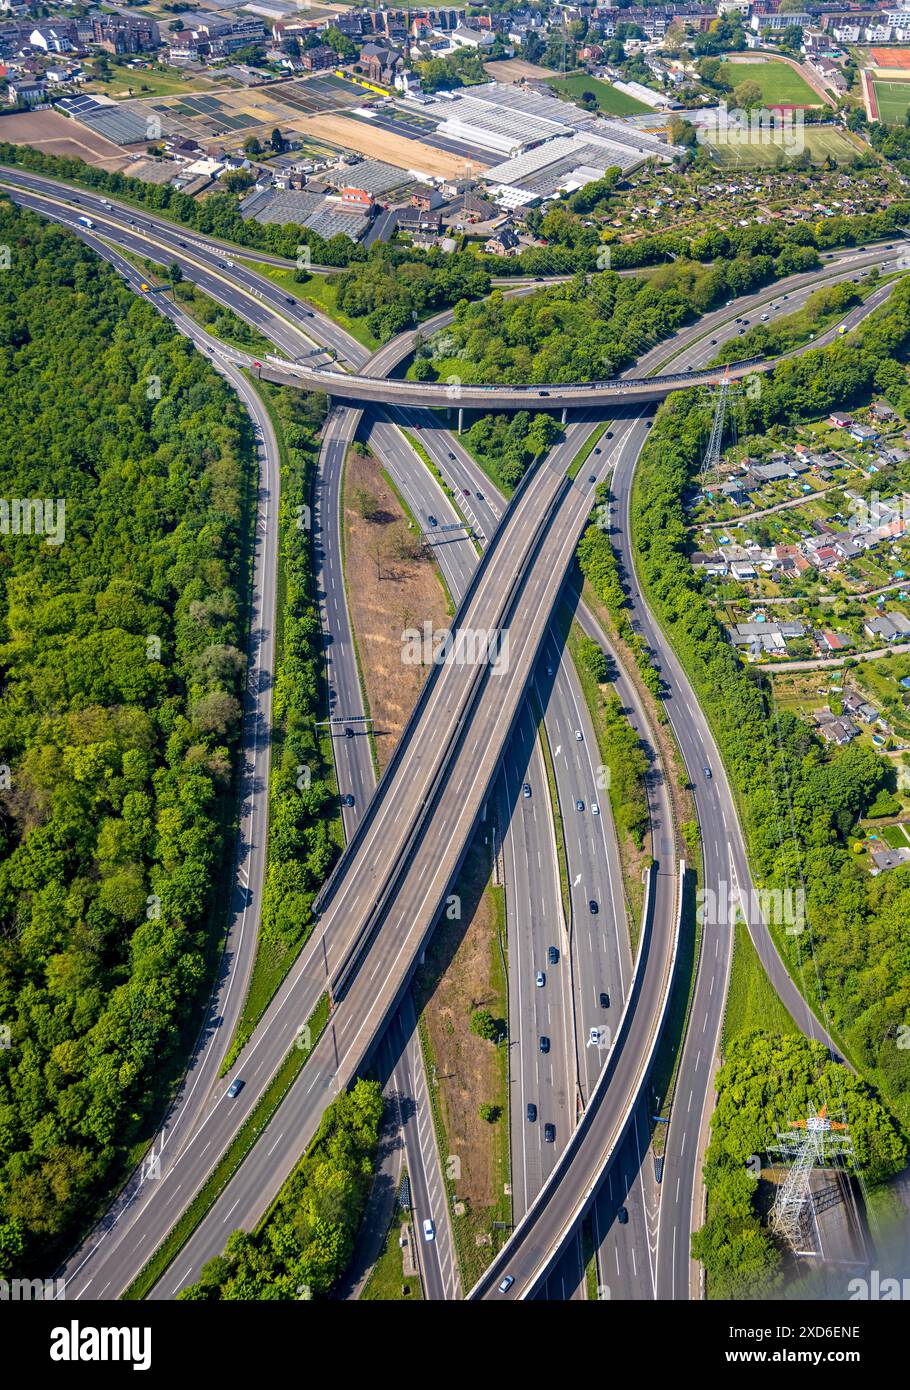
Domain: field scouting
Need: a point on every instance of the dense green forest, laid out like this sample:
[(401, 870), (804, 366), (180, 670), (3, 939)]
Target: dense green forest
[(302, 800), (799, 802), (122, 652), (740, 1257), (397, 286), (307, 1239), (507, 445)]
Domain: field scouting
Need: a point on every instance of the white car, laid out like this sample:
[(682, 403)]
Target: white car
[(578, 735), (429, 1230), (541, 979), (595, 809), (594, 1038)]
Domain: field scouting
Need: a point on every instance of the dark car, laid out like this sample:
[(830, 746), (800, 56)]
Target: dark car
[(552, 955), (591, 478), (544, 1043), (451, 455), (609, 434), (235, 1088), (348, 732), (592, 904), (549, 1133), (480, 497), (532, 1113), (432, 520), (622, 1216), (714, 342), (544, 393), (579, 805), (182, 243), (348, 800), (604, 999)]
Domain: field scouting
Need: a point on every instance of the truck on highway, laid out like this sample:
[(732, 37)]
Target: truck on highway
[(86, 221)]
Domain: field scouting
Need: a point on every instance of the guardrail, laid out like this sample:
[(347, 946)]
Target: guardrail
[(559, 1175), (353, 955), (328, 888), (343, 384)]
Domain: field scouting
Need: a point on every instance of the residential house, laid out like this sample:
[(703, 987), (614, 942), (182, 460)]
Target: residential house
[(503, 243), (838, 731), (834, 641), (839, 420), (320, 58)]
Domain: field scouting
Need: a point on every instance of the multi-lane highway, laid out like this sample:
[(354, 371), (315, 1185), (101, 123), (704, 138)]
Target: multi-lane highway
[(548, 495)]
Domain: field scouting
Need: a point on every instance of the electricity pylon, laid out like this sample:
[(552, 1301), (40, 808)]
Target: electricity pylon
[(817, 1140)]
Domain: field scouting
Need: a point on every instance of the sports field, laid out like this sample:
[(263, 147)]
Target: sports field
[(819, 141), (609, 98), (780, 84), (890, 57), (892, 100)]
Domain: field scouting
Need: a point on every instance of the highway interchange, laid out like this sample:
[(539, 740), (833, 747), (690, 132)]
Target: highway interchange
[(528, 855)]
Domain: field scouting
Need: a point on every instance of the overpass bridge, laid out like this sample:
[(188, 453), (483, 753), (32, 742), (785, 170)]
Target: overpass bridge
[(584, 395)]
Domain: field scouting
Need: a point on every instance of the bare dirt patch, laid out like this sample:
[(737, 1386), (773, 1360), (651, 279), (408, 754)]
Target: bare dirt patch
[(388, 591), (462, 972), (516, 70), (377, 143), (56, 134)]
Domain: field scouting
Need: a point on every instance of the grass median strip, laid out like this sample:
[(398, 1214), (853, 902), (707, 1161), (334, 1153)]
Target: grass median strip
[(244, 1140)]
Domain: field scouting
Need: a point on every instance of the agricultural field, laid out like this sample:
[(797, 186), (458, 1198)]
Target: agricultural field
[(156, 81), (892, 100), (777, 146), (780, 84), (609, 98), (55, 134)]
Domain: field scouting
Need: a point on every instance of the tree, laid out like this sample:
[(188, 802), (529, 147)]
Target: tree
[(251, 145), (277, 141), (747, 95), (488, 1112), (484, 1025)]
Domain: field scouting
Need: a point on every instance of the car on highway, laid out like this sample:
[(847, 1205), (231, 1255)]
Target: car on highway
[(578, 735), (579, 805), (506, 1283), (552, 955), (707, 772), (595, 809), (480, 497), (764, 318), (525, 790), (714, 342), (604, 999), (592, 906), (532, 1113), (432, 520), (592, 478), (429, 1230), (348, 732), (549, 1134), (235, 1088), (609, 434), (544, 1043), (622, 1216), (451, 455), (348, 800), (594, 1037), (540, 979)]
